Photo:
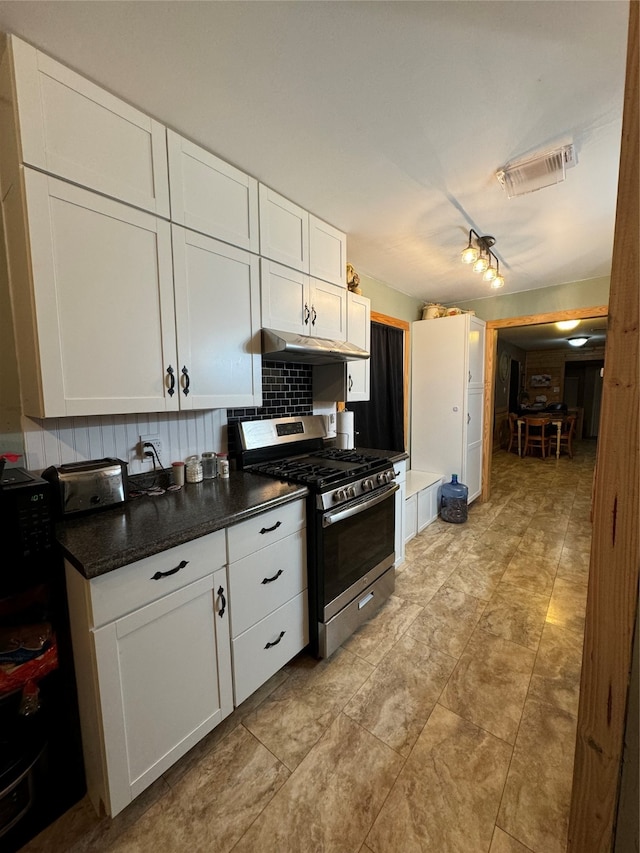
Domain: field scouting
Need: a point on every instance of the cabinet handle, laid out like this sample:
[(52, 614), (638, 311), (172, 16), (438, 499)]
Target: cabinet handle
[(224, 602), (350, 382), (159, 575), (274, 578), (187, 381), (172, 381), (469, 376), (271, 529), (275, 642), (468, 417), (307, 314), (314, 314)]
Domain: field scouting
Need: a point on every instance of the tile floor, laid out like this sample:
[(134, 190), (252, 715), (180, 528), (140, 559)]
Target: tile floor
[(446, 724)]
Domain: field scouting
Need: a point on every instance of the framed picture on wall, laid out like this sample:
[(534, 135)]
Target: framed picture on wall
[(540, 380)]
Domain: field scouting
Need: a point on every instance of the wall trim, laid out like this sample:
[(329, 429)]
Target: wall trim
[(386, 320)]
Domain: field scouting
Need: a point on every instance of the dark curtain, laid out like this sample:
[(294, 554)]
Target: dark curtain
[(379, 423)]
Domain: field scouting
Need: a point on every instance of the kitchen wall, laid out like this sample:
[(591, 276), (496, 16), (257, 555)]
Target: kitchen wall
[(386, 300), (562, 297)]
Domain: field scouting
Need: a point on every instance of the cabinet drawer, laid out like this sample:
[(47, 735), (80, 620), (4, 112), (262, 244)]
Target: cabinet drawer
[(264, 529), (264, 649), (124, 590), (262, 582)]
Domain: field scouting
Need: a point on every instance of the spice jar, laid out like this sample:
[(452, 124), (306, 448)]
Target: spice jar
[(194, 470), (223, 466)]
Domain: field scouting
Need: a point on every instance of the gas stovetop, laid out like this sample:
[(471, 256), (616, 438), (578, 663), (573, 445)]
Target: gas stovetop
[(322, 469), (292, 449)]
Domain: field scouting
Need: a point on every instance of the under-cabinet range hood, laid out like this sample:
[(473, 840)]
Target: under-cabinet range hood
[(288, 346)]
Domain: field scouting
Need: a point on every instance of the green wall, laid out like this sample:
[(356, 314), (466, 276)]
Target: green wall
[(574, 294), (385, 300)]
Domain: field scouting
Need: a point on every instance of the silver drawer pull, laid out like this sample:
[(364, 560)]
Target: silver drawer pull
[(274, 578), (275, 642), (159, 575), (365, 601), (270, 529)]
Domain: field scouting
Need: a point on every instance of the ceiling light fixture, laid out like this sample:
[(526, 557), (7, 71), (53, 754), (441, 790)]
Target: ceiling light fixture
[(578, 341), (478, 252), (567, 325), (536, 172)]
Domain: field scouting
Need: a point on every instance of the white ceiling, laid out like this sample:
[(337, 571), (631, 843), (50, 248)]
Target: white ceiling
[(387, 119)]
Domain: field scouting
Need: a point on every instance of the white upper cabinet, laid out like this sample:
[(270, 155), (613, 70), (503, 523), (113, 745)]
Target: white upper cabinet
[(284, 230), (358, 333), (93, 294), (327, 252), (76, 130), (293, 302), (217, 303), (210, 196)]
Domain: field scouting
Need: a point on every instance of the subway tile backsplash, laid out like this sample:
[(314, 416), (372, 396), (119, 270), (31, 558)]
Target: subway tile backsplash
[(287, 389)]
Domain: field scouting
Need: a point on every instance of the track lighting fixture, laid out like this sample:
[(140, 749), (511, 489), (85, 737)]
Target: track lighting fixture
[(478, 252)]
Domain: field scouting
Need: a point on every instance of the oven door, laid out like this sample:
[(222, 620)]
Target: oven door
[(356, 547)]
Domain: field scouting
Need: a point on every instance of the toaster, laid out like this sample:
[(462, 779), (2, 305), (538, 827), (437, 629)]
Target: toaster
[(91, 485)]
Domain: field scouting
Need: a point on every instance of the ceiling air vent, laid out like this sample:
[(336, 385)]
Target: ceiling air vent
[(534, 173)]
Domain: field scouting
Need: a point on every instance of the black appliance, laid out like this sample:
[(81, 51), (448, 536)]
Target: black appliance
[(350, 520), (41, 766)]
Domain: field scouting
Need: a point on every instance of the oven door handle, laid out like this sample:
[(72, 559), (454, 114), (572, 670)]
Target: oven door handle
[(362, 505)]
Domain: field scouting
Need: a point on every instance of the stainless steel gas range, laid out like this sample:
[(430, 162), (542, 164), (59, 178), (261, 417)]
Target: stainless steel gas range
[(350, 520)]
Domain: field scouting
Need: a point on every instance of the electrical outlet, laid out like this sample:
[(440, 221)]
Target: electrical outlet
[(154, 440)]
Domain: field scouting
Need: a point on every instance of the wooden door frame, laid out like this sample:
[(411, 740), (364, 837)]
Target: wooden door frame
[(386, 320), (491, 346)]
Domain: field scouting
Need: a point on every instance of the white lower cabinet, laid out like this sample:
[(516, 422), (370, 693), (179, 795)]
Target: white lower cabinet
[(421, 504), (268, 595), (156, 678), (157, 663), (400, 469)]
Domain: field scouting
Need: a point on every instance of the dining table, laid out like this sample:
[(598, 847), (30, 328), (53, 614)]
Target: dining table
[(555, 420)]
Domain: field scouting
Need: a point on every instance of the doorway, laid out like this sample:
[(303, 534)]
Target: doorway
[(583, 390)]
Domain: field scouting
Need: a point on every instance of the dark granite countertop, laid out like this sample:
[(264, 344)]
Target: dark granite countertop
[(146, 525)]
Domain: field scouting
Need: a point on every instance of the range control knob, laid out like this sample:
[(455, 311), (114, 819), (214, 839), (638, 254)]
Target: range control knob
[(351, 491), (339, 496), (367, 485), (382, 478)]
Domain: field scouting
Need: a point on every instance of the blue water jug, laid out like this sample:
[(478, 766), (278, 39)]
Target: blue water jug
[(453, 505)]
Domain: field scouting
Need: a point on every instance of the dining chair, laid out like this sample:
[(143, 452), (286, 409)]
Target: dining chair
[(566, 436), (536, 435)]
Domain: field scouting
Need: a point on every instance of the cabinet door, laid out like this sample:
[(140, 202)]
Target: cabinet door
[(400, 498), (284, 299), (472, 473), (160, 689), (74, 129), (438, 394), (217, 297), (210, 196), (328, 310), (410, 517), (476, 352), (327, 252), (284, 230), (103, 302), (359, 333)]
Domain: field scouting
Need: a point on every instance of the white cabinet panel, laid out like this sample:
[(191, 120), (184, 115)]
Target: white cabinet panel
[(264, 649), (292, 302), (102, 296), (264, 581), (217, 298), (76, 130), (447, 409), (400, 469), (410, 517), (358, 333), (211, 196), (154, 707), (328, 310), (327, 252), (284, 230)]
